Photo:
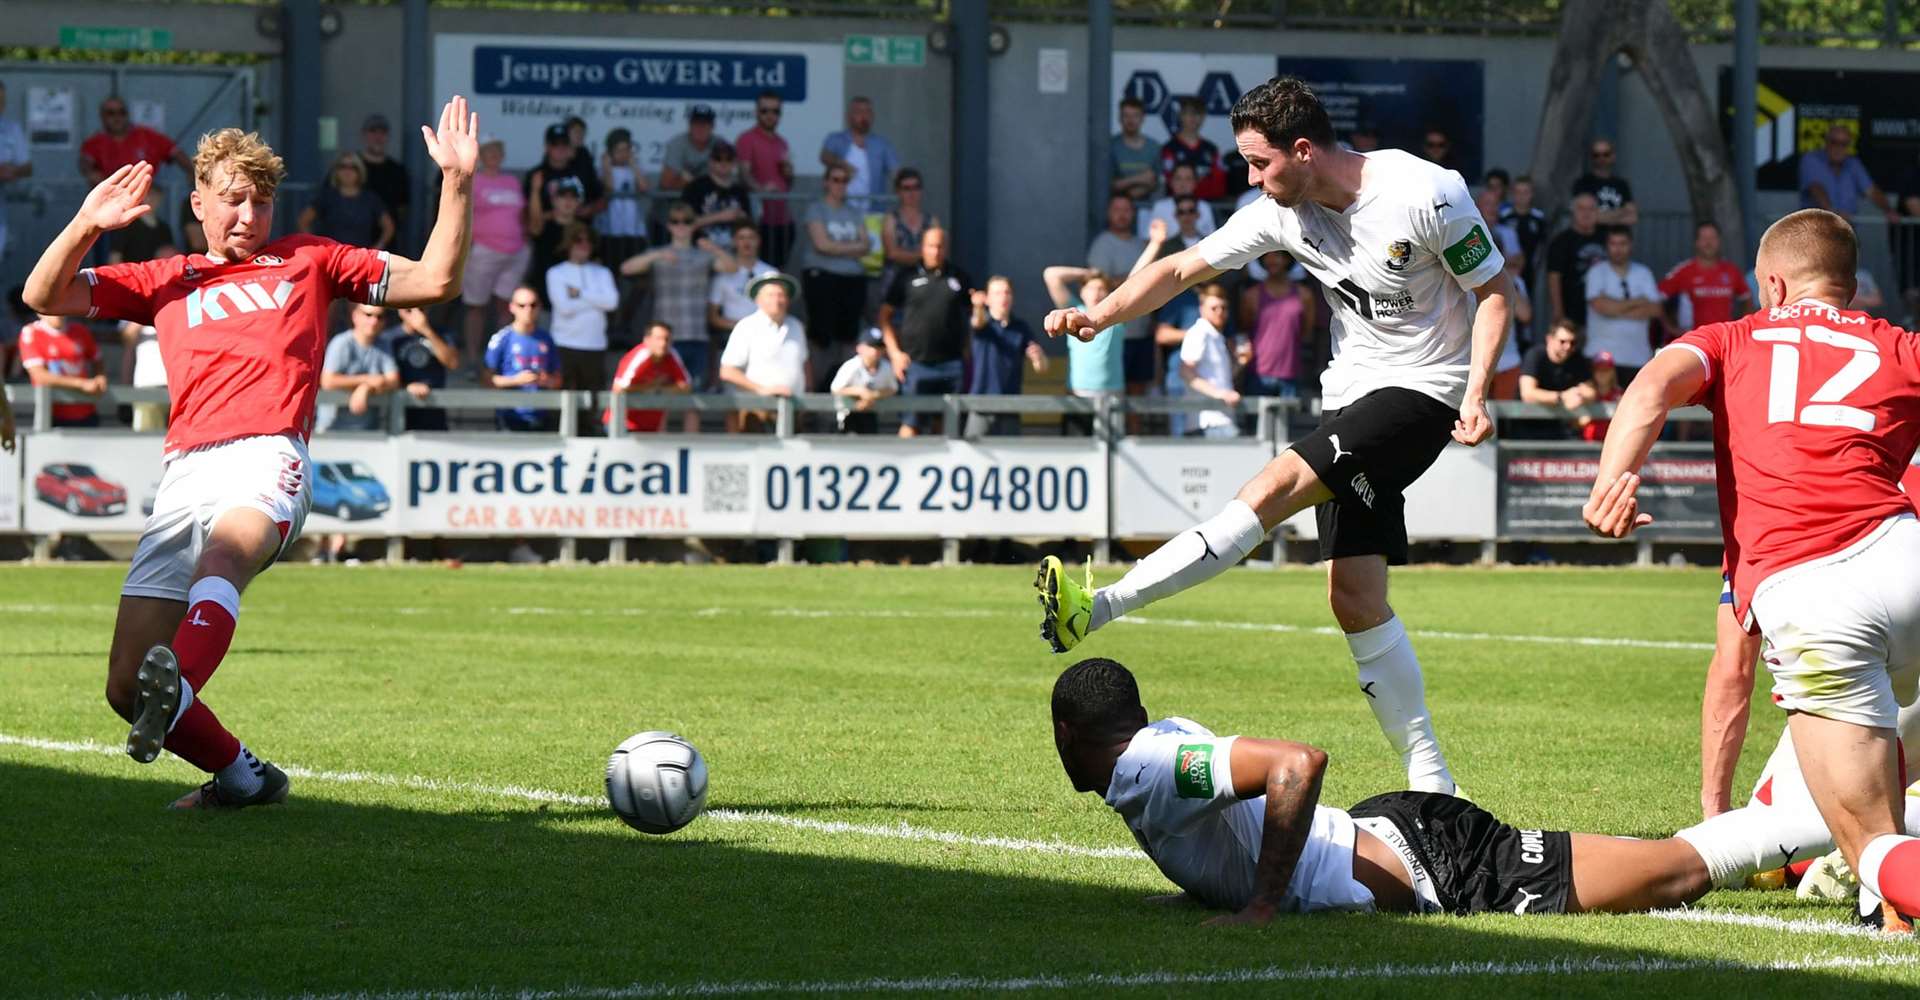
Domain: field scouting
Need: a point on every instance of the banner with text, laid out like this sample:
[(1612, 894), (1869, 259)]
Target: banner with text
[(1796, 108), (1161, 488), (881, 488), (1161, 79), (521, 84), (1452, 501), (1402, 100), (1543, 489)]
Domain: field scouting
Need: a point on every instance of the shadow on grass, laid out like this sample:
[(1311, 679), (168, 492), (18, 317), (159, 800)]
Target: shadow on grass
[(107, 892)]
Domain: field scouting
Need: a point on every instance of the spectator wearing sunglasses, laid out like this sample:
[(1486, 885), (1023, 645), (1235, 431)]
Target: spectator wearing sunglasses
[(769, 171), (1613, 194), (1180, 184)]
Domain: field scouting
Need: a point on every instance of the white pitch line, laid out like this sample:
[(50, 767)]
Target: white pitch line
[(970, 614), (885, 831), (1164, 978)]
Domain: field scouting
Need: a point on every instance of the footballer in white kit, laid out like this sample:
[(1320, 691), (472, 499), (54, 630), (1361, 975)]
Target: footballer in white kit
[(1236, 823), (1420, 310)]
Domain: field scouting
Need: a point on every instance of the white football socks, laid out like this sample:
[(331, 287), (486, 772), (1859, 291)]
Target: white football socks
[(1186, 560), (242, 777), (1390, 678), (1757, 838)]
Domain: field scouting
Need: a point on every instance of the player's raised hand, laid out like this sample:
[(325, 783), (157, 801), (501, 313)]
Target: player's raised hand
[(456, 145), (121, 198), (1474, 426), (1072, 322), (1614, 512)]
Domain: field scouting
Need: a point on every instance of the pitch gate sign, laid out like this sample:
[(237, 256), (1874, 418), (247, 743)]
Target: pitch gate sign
[(521, 84)]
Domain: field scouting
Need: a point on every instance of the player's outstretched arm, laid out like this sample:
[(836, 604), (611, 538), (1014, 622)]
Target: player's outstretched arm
[(54, 288), (1490, 322), (1144, 291), (435, 277), (1724, 707), (1288, 774), (1671, 379)]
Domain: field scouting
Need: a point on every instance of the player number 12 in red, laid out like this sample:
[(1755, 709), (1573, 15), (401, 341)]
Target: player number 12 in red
[(1824, 408)]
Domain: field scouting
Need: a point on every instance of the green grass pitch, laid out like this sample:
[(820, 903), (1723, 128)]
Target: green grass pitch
[(849, 716)]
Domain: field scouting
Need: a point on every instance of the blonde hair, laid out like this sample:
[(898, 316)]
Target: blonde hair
[(350, 159), (245, 155), (1212, 290)]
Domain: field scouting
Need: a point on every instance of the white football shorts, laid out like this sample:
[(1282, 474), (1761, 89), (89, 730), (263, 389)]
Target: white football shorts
[(1843, 631), (270, 473)]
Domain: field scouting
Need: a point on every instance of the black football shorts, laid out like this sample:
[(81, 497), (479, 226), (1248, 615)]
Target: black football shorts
[(1367, 454), (1479, 864)]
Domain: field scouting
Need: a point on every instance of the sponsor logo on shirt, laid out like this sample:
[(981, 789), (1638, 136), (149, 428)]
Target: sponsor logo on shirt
[(1399, 255), (1469, 252), (1193, 771), (214, 301), (1395, 304)]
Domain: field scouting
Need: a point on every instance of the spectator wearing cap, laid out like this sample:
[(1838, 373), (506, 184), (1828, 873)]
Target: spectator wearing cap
[(768, 163), (1003, 344), (582, 292), (1611, 193), (863, 380), (727, 300), (625, 217), (16, 163), (719, 197), (1606, 389), (766, 355), (1553, 373), (835, 240), (386, 176), (682, 270), (1186, 147), (120, 142), (686, 154), (925, 317), (1834, 179), (1622, 300), (1133, 158), (652, 367), (557, 166), (866, 156), (1180, 185), (346, 210), (501, 254), (549, 246)]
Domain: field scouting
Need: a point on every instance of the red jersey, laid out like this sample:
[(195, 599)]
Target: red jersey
[(1816, 412), (68, 351), (642, 369), (139, 144), (1711, 289), (242, 341)]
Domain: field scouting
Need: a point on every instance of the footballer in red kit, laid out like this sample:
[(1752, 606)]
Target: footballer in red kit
[(1816, 418), (243, 330)]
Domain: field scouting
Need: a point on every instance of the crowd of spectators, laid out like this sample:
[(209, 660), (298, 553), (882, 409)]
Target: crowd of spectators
[(715, 273)]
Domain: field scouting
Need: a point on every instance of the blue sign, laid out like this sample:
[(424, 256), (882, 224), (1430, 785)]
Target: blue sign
[(1402, 99), (713, 76)]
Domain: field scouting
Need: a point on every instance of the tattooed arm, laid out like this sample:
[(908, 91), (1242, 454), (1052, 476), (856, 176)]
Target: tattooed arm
[(1288, 774)]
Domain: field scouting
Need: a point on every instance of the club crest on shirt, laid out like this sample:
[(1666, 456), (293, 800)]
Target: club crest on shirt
[(267, 260), (1399, 255)]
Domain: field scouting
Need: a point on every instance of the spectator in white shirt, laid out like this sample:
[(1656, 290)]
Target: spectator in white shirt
[(727, 300), (1180, 185), (1207, 363), (864, 378), (582, 293), (1622, 300), (767, 352)]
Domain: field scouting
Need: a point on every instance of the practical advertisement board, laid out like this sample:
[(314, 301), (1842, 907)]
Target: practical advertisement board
[(10, 487), (1164, 487), (353, 483), (88, 482), (1542, 491), (521, 84)]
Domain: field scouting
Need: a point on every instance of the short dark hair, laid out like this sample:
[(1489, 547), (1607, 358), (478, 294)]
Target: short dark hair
[(1131, 101), (1098, 694), (663, 325), (742, 224), (1192, 104), (1705, 224), (908, 174), (1283, 109), (1497, 174), (1626, 231)]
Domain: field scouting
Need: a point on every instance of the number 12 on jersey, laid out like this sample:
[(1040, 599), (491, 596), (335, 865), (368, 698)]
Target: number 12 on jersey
[(1824, 408)]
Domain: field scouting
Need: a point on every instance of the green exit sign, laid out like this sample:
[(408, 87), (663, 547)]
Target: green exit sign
[(886, 50), (120, 39)]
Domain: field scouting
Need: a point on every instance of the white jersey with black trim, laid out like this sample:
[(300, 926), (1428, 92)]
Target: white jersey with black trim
[(1174, 787), (1399, 267)]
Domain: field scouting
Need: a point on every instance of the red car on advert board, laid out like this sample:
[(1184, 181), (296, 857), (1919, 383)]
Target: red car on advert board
[(79, 491)]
